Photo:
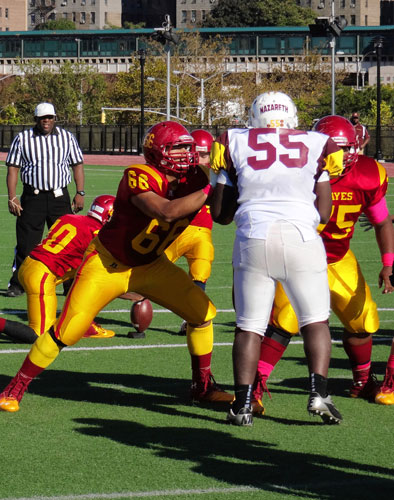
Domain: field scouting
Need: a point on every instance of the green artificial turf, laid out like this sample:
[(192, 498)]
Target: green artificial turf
[(111, 418)]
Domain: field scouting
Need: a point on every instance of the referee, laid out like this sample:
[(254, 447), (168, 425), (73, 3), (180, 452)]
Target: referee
[(42, 156)]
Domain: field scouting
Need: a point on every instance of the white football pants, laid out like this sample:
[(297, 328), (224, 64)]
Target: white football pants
[(301, 267)]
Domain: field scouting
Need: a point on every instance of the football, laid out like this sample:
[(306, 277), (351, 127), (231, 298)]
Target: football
[(141, 314)]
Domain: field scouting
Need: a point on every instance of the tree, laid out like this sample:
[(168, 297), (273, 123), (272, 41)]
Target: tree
[(65, 86), (56, 24), (219, 84), (250, 13)]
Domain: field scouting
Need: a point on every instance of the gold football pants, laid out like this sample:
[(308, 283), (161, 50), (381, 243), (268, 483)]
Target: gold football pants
[(351, 300)]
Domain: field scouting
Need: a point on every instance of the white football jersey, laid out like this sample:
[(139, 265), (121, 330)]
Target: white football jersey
[(276, 170)]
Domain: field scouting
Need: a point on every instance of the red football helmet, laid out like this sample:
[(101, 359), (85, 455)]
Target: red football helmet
[(203, 140), (102, 208), (342, 132), (159, 144)]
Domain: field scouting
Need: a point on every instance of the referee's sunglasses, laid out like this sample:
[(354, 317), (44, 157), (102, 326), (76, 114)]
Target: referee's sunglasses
[(46, 117)]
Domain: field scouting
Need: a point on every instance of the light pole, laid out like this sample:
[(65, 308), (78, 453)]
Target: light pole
[(165, 36), (202, 85), (154, 79), (378, 44), (333, 27), (142, 58)]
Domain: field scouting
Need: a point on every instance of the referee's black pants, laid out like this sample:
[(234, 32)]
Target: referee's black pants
[(38, 209)]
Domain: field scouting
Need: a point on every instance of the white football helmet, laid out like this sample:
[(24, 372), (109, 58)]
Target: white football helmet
[(273, 110)]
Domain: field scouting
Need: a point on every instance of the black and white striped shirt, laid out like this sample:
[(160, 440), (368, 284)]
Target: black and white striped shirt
[(45, 160)]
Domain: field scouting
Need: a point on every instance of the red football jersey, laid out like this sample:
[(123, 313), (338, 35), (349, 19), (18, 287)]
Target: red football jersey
[(66, 242), (134, 238), (364, 186)]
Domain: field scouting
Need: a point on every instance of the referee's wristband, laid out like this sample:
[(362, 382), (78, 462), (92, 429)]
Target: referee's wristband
[(388, 259), (82, 193)]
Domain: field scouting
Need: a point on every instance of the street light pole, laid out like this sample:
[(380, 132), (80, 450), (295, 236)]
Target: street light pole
[(332, 45), (142, 58), (378, 43), (165, 36)]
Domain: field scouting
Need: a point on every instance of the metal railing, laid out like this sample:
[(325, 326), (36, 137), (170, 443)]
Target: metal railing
[(125, 139)]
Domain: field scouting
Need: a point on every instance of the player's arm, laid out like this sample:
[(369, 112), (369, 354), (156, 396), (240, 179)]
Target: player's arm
[(384, 232), (323, 200), (223, 202), (156, 207)]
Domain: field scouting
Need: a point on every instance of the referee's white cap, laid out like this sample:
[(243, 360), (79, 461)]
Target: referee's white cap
[(44, 109)]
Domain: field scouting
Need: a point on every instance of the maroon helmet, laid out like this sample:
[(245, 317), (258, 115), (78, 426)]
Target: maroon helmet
[(342, 132), (102, 208), (203, 140), (159, 144)]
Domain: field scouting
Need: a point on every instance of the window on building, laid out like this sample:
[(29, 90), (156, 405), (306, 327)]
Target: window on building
[(83, 2), (82, 18), (343, 4), (64, 3), (105, 2), (106, 17), (366, 3), (322, 4), (203, 15), (32, 19), (193, 1), (32, 3), (6, 13), (193, 16), (64, 15), (184, 16), (1, 11), (353, 3), (366, 20), (183, 1), (92, 18), (353, 20), (74, 17), (92, 2)]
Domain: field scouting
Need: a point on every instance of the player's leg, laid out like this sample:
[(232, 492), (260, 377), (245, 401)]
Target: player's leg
[(199, 255), (385, 396), (283, 324), (306, 285), (254, 291), (184, 298), (93, 287), (39, 284), (352, 302)]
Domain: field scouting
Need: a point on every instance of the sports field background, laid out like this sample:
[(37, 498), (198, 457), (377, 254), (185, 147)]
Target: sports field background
[(111, 418)]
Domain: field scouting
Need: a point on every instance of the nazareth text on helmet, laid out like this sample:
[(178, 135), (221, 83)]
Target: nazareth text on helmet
[(274, 107)]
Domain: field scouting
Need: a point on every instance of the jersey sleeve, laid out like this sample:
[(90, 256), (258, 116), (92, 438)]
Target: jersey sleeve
[(142, 178), (220, 157), (332, 158)]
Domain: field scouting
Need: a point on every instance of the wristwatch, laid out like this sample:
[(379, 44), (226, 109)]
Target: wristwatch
[(82, 193)]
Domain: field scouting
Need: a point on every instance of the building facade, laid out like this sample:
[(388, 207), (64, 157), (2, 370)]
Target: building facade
[(191, 13), (357, 12), (86, 14), (13, 15)]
